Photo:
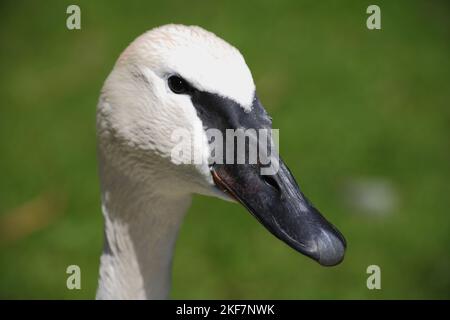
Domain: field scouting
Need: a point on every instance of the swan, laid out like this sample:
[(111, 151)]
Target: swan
[(173, 77)]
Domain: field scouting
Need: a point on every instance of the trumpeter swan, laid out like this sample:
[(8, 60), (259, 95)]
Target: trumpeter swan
[(185, 77)]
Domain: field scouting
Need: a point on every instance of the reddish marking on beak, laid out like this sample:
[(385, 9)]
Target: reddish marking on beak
[(223, 186)]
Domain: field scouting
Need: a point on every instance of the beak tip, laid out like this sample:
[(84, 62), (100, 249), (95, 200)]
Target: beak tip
[(330, 249)]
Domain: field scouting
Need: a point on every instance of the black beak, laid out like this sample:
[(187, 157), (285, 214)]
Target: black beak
[(275, 200), (278, 204)]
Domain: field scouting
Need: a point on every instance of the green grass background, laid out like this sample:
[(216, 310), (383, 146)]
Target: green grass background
[(349, 103)]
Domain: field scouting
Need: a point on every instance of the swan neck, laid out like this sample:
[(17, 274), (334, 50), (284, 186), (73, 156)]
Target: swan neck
[(140, 230)]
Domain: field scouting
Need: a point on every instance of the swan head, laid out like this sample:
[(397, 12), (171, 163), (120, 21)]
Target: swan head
[(169, 91)]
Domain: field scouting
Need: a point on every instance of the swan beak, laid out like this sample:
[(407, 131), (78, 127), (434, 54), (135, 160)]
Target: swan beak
[(277, 203)]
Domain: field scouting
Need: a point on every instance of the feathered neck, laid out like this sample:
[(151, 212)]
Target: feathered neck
[(140, 229)]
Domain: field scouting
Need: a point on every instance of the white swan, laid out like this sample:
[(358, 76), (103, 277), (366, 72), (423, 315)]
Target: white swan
[(185, 77)]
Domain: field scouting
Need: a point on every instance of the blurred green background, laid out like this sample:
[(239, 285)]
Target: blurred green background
[(364, 120)]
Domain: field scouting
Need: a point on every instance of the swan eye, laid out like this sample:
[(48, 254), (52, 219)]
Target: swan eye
[(178, 85)]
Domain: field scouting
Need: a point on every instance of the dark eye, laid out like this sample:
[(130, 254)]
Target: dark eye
[(178, 85)]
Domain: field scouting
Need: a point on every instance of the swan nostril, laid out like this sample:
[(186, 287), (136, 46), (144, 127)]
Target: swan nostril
[(270, 180)]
